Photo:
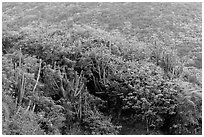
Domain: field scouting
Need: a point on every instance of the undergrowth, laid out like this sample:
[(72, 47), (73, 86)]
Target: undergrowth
[(82, 80)]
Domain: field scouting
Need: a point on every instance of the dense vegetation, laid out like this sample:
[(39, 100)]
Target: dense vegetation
[(101, 68)]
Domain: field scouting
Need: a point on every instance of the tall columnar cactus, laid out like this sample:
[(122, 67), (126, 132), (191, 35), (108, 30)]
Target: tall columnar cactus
[(29, 105)]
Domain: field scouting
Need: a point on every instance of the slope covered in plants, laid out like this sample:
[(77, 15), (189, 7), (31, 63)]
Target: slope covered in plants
[(102, 68)]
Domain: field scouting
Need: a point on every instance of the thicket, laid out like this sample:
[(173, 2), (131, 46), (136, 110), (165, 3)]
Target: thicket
[(81, 80)]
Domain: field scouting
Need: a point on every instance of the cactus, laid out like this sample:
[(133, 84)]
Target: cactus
[(79, 91), (75, 83), (22, 90), (104, 76), (77, 80), (35, 84), (99, 72)]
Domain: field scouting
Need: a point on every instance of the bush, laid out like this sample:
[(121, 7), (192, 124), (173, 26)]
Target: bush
[(22, 123)]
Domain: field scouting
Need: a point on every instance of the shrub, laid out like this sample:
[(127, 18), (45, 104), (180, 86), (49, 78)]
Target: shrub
[(22, 123)]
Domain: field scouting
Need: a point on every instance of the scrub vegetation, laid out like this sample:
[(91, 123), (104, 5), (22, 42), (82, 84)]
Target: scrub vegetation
[(101, 68)]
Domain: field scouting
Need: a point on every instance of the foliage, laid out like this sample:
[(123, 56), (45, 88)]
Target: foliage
[(89, 77), (22, 123)]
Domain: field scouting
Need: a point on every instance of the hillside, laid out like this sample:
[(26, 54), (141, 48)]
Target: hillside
[(102, 68)]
